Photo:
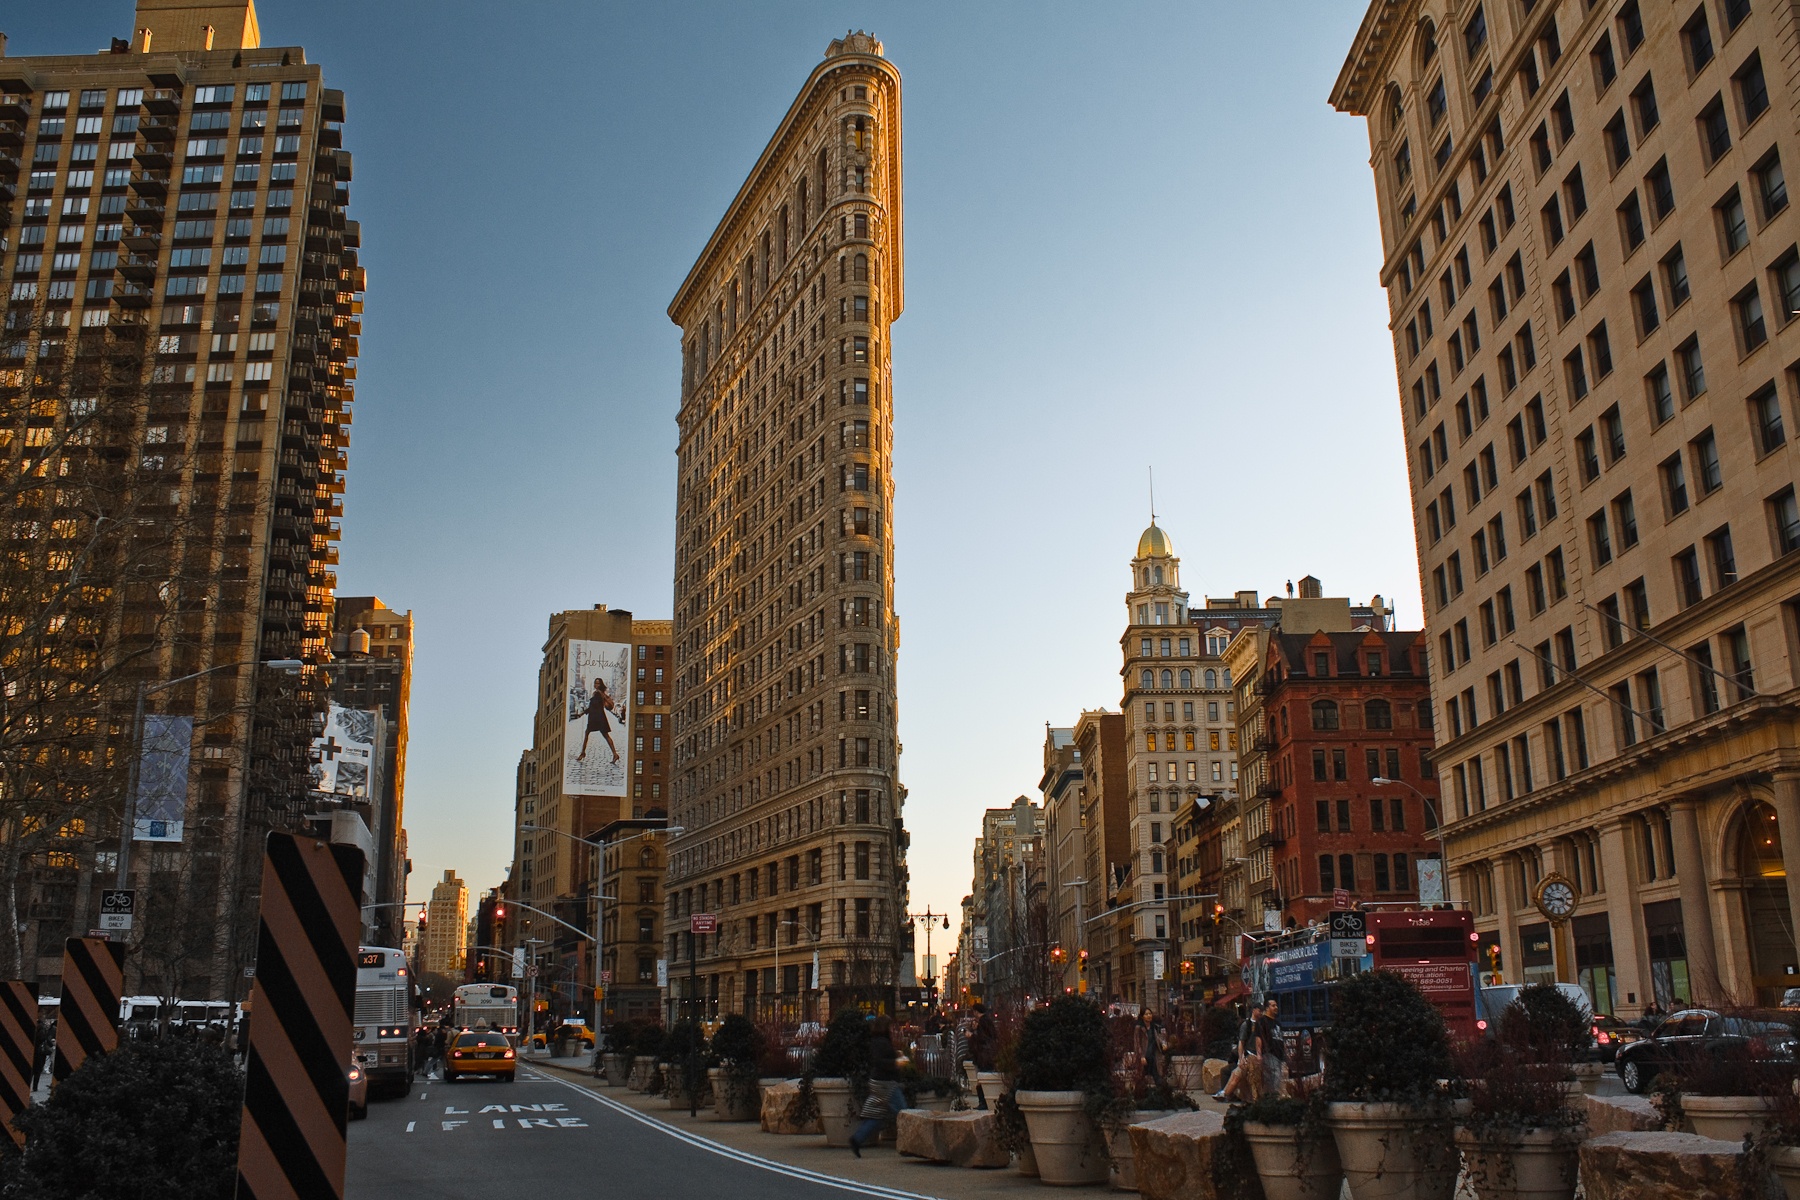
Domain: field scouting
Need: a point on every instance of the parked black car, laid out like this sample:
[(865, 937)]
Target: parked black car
[(1697, 1032)]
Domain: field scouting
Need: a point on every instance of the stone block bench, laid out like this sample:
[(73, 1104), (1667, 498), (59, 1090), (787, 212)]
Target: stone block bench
[(960, 1139), (1189, 1157), (777, 1106), (1661, 1166)]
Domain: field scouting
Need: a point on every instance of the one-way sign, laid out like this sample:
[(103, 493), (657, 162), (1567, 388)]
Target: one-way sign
[(117, 907)]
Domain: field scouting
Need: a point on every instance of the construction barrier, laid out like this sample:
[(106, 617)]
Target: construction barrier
[(296, 1094), (87, 1020), (18, 1050)]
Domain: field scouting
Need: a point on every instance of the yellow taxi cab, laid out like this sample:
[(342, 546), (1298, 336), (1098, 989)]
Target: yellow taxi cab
[(479, 1052), (577, 1028)]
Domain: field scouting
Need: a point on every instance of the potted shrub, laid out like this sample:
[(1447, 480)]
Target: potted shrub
[(684, 1078), (1296, 1157), (1779, 1143), (736, 1052), (1523, 1123), (1726, 1090), (617, 1060), (1062, 1061), (1186, 1052), (1012, 1135), (836, 1081), (1386, 1051), (646, 1045)]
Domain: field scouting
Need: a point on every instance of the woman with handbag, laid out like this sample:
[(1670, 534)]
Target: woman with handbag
[(886, 1096)]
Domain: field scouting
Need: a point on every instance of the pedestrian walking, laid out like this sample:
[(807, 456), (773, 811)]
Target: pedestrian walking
[(1271, 1050), (886, 1096), (439, 1040), (985, 1045), (1151, 1041), (425, 1051), (1241, 1075)]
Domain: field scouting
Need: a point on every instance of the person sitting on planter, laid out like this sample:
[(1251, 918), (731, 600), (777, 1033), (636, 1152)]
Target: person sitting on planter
[(884, 1085)]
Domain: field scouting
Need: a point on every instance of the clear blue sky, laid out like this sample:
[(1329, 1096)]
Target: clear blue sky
[(1136, 235)]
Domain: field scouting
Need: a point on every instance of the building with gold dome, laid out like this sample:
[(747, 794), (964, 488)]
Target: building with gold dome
[(1181, 746)]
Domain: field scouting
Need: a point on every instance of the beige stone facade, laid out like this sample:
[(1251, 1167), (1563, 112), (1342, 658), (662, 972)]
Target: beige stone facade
[(786, 768), (1590, 261), (445, 939)]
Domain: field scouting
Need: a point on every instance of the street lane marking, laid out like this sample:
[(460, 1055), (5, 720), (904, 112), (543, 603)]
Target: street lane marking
[(409, 1126), (724, 1151)]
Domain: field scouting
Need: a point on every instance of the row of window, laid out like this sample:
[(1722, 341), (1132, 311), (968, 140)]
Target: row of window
[(1188, 710), (1184, 678)]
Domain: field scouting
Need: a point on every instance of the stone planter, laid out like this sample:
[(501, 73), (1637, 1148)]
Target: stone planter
[(932, 1103), (676, 1093), (1727, 1118), (643, 1073), (1589, 1075), (1394, 1151), (1069, 1148), (1292, 1170), (618, 1069), (1785, 1160), (991, 1084), (733, 1099), (1185, 1072), (1026, 1160), (833, 1098), (1537, 1164), (1120, 1173)]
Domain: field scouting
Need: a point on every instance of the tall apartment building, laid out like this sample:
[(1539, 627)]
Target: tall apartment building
[(634, 867), (1064, 850), (1592, 278), (1105, 814), (444, 940), (600, 754), (180, 332), (787, 781), (1011, 901), (371, 671)]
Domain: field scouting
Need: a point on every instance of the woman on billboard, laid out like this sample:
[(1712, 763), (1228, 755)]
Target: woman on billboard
[(600, 702)]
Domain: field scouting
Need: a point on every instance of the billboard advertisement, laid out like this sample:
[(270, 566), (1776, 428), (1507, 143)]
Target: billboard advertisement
[(159, 806), (343, 759), (594, 745)]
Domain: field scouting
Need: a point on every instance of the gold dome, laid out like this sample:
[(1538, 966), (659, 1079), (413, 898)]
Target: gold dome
[(1154, 544)]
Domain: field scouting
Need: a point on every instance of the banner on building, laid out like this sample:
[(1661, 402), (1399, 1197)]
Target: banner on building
[(159, 806), (595, 762), (1431, 880), (343, 759)]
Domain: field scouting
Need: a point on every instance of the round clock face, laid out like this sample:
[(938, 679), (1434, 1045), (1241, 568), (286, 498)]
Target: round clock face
[(1558, 898)]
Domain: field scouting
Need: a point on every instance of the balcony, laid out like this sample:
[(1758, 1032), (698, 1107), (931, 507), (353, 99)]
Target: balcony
[(144, 241), (9, 162), (132, 294), (157, 155), (146, 210), (1267, 791), (150, 183), (14, 107), (1266, 685), (1263, 742), (162, 101), (138, 266), (159, 129), (12, 133)]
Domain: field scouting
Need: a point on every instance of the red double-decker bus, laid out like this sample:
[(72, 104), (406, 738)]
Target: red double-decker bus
[(1434, 949)]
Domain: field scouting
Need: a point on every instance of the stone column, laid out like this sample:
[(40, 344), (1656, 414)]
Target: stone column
[(1506, 870), (1786, 786), (1696, 901), (1629, 960)]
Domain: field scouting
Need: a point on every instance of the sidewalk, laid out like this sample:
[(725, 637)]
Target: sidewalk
[(880, 1166)]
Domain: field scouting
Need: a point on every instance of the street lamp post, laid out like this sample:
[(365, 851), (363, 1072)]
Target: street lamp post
[(1436, 810), (144, 692), (930, 918)]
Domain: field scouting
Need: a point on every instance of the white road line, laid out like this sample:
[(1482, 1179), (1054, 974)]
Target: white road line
[(724, 1151)]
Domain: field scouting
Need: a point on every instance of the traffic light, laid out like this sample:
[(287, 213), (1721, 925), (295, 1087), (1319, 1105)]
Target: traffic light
[(1081, 967), (1057, 956), (1187, 966), (1218, 913), (499, 912)]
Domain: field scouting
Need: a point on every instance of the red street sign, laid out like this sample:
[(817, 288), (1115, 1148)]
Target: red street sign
[(1340, 898), (102, 934), (606, 977), (703, 923)]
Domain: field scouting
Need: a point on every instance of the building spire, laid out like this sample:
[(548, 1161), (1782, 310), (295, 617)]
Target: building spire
[(1152, 473)]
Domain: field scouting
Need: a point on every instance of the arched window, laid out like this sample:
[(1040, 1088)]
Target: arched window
[(1212, 679), (1378, 714), (859, 272), (1168, 679), (1396, 109), (1147, 680), (1157, 573), (1187, 678), (1324, 714), (1424, 714)]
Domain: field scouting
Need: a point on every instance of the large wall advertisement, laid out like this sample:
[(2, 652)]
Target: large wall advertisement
[(595, 762)]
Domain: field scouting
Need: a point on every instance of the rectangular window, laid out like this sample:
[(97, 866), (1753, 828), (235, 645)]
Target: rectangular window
[(1715, 130), (1765, 419), (1747, 306), (1660, 190), (1752, 89), (1696, 39), (1707, 471), (1660, 394), (1675, 278), (1687, 577), (1692, 371), (1643, 107), (1771, 184), (1722, 557), (1784, 517)]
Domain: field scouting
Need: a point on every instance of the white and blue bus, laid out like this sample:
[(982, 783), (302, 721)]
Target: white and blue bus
[(386, 1000)]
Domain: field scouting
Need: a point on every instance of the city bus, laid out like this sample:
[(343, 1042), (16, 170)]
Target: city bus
[(492, 1006), (1434, 949), (386, 1000)]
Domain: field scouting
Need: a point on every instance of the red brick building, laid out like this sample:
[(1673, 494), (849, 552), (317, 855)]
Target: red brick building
[(1342, 710)]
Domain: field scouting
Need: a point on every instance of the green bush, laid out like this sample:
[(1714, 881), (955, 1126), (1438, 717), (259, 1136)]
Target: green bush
[(685, 1037), (844, 1050), (647, 1041), (1545, 1025), (153, 1120), (1063, 1048), (738, 1043), (1385, 1042)]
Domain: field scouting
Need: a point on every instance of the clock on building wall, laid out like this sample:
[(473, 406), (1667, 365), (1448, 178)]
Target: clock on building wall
[(1556, 897)]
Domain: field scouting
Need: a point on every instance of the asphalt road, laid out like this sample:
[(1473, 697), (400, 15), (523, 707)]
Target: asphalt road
[(545, 1139)]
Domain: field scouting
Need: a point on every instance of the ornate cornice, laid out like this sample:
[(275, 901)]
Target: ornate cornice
[(1355, 89)]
